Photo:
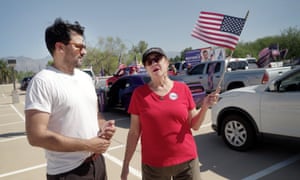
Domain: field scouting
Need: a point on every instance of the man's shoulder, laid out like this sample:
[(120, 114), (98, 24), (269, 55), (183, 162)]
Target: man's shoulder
[(45, 73)]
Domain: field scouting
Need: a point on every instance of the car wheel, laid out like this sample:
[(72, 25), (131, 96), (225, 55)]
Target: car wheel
[(237, 133)]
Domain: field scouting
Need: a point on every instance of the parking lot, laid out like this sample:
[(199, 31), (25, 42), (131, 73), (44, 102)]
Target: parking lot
[(272, 159)]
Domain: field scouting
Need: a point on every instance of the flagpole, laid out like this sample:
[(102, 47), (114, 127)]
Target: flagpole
[(247, 14), (223, 73)]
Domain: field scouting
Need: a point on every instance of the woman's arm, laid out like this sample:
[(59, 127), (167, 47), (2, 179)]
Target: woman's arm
[(197, 116), (132, 140)]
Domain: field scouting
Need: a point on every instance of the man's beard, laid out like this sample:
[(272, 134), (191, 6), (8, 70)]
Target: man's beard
[(79, 62)]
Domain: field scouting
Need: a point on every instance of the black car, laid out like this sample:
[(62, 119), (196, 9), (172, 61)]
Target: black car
[(24, 83)]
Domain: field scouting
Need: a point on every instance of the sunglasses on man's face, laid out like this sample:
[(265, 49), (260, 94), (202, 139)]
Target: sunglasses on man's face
[(79, 46), (150, 59)]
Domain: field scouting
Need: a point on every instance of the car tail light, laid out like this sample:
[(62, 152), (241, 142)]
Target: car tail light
[(265, 78)]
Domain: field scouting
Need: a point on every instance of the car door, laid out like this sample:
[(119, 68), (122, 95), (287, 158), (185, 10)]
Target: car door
[(280, 110)]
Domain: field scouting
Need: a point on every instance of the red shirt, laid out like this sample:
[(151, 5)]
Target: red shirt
[(166, 135)]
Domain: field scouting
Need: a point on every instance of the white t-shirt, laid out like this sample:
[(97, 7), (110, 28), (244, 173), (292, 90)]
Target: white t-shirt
[(71, 101)]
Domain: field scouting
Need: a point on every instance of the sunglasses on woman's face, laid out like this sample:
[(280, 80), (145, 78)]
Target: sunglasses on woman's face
[(154, 58)]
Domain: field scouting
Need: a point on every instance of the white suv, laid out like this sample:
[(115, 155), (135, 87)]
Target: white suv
[(242, 115)]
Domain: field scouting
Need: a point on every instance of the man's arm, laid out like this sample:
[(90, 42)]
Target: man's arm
[(39, 135)]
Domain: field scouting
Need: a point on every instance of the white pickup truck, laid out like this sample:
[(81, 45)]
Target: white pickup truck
[(210, 73)]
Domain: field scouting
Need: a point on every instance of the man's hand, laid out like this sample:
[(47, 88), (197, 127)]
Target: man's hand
[(98, 145), (107, 130)]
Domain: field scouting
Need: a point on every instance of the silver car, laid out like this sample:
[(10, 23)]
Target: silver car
[(243, 115)]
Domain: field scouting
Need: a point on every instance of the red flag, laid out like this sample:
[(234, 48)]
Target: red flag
[(218, 29)]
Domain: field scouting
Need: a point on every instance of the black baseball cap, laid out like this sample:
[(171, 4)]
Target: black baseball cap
[(152, 50)]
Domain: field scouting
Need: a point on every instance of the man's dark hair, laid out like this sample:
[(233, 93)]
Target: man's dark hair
[(60, 31)]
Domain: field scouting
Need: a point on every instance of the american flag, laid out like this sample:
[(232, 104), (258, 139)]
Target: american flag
[(264, 58), (218, 29)]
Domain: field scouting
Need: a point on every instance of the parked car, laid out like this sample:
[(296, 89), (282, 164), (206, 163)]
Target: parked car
[(24, 83), (237, 65), (119, 94), (124, 70), (209, 74), (244, 115), (252, 63)]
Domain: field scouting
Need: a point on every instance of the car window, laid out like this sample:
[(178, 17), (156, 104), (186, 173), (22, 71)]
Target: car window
[(198, 69), (235, 65), (214, 67), (292, 83), (251, 61)]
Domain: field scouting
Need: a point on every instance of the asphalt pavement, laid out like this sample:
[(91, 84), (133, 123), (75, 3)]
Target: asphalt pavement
[(269, 160)]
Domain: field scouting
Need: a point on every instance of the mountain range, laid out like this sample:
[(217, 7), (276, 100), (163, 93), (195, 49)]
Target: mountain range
[(28, 64)]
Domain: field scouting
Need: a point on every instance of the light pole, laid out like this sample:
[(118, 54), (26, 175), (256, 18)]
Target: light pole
[(15, 96)]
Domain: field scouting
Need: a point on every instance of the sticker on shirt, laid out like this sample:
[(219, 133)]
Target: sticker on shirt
[(173, 96)]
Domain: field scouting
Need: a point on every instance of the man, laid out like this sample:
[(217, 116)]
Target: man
[(61, 110)]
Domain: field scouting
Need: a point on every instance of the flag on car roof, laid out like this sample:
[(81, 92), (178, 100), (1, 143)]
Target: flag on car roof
[(274, 48), (264, 58), (219, 29), (269, 54)]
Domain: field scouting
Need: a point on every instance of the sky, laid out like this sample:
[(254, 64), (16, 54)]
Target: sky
[(164, 23)]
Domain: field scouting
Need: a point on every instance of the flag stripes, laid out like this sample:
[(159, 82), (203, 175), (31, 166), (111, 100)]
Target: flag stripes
[(218, 29)]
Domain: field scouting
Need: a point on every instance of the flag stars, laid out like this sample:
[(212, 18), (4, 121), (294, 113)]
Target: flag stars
[(232, 25)]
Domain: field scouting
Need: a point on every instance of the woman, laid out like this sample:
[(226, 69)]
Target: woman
[(163, 113)]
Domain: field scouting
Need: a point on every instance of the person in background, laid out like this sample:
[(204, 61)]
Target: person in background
[(162, 115), (173, 70), (189, 67), (61, 110), (133, 70)]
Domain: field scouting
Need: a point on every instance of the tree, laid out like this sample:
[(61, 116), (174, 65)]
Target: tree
[(137, 52), (6, 74), (289, 39), (107, 52)]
